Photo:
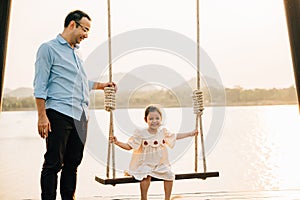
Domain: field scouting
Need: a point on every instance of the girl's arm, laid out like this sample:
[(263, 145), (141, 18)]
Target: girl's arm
[(185, 135), (120, 144)]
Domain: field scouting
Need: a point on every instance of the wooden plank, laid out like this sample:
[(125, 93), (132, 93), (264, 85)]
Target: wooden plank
[(130, 179), (196, 175)]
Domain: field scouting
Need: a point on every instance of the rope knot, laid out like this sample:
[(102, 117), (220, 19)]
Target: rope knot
[(198, 102), (109, 98)]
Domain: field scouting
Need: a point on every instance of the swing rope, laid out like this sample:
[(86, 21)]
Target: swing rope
[(110, 101), (198, 100)]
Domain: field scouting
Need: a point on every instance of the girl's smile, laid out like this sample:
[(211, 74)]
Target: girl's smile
[(154, 121)]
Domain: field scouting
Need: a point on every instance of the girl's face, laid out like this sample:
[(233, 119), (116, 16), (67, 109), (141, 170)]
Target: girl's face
[(153, 120)]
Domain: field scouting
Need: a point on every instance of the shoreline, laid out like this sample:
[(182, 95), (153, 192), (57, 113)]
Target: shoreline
[(266, 103)]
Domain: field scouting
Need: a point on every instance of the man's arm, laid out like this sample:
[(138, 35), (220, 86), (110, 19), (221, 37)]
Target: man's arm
[(43, 122), (101, 86)]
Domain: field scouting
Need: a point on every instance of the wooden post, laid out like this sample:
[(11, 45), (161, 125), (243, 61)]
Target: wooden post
[(292, 10), (4, 26)]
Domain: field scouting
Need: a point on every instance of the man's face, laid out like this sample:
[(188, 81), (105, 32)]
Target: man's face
[(82, 29)]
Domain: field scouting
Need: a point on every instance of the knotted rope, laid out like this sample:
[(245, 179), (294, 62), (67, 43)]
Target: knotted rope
[(198, 102), (109, 99)]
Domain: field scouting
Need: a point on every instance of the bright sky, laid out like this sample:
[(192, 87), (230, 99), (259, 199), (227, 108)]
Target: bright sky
[(246, 39)]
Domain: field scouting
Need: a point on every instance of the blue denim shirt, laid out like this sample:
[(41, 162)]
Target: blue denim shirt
[(60, 78)]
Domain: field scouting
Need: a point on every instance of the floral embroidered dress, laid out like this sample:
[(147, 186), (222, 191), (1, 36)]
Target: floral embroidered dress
[(150, 155)]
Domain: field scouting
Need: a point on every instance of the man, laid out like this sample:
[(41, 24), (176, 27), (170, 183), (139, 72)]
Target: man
[(61, 90)]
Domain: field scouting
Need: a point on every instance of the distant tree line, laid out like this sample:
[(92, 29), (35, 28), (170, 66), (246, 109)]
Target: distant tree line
[(179, 98), (15, 103), (240, 96)]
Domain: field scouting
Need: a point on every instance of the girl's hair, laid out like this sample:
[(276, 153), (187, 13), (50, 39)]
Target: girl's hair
[(75, 15), (152, 108)]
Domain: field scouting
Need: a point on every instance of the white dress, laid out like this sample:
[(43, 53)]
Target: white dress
[(150, 155)]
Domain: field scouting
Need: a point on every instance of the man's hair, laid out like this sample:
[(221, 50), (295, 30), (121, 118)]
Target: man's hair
[(75, 15)]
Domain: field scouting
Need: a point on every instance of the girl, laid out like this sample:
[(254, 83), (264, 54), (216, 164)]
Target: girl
[(150, 155)]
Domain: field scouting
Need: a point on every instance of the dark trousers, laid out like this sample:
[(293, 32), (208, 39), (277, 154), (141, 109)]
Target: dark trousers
[(65, 146)]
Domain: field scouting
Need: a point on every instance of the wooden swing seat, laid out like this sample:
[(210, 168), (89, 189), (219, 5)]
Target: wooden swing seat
[(130, 179)]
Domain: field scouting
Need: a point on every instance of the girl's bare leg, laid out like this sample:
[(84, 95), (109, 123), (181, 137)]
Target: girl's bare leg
[(144, 186), (168, 189)]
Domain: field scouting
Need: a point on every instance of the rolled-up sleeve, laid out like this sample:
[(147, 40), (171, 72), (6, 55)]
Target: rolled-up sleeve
[(91, 84), (42, 71)]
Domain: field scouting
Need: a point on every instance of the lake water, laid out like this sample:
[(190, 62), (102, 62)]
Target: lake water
[(255, 149)]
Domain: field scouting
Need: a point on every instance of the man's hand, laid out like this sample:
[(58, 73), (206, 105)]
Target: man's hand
[(43, 125), (43, 122), (101, 86), (111, 84)]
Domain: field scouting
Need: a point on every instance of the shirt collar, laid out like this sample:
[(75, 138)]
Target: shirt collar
[(63, 41)]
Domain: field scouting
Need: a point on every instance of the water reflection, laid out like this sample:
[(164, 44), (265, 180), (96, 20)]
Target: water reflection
[(270, 148), (256, 155)]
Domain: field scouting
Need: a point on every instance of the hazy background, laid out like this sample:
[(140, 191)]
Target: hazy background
[(246, 39)]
